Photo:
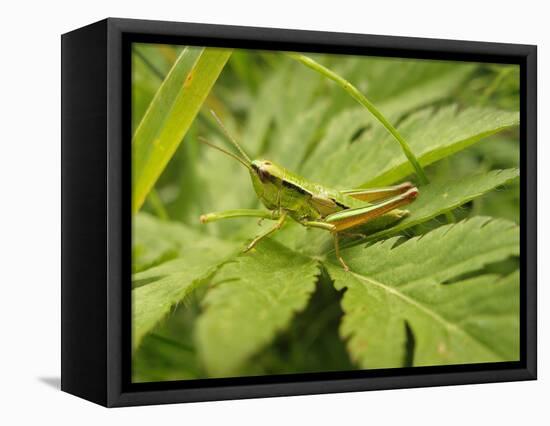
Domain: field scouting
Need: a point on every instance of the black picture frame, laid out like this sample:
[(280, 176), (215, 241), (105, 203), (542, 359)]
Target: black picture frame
[(96, 219)]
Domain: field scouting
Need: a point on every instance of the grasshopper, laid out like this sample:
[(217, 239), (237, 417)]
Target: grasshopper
[(287, 195)]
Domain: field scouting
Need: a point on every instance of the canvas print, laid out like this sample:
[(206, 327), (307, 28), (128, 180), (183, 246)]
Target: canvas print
[(307, 213)]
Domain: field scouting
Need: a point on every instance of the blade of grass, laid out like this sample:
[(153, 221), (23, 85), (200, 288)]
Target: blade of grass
[(362, 99), (162, 102), (170, 115)]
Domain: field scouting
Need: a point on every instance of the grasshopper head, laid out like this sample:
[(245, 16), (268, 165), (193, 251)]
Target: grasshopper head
[(266, 178), (266, 170)]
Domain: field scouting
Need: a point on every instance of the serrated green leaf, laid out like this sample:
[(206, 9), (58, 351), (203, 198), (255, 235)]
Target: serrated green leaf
[(368, 105), (156, 290), (260, 293), (297, 91), (434, 83), (397, 87), (397, 79), (156, 241), (162, 358), (441, 197), (293, 141), (170, 114), (378, 161), (395, 287), (262, 114), (442, 134)]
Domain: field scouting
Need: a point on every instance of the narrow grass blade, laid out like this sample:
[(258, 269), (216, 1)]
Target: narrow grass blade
[(170, 115), (362, 99)]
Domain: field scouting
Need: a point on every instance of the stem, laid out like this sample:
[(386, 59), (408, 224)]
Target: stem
[(227, 214), (359, 97)]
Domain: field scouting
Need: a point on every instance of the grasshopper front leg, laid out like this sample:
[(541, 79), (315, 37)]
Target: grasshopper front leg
[(276, 227), (262, 214), (229, 214)]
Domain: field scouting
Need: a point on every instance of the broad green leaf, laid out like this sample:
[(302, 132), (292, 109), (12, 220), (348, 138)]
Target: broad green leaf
[(262, 114), (161, 358), (158, 289), (441, 197), (442, 134), (397, 87), (339, 131), (297, 93), (155, 241), (296, 87), (394, 288), (260, 293), (378, 160), (294, 140), (368, 105), (388, 79), (170, 114), (152, 301), (312, 342), (150, 245), (434, 84), (168, 352)]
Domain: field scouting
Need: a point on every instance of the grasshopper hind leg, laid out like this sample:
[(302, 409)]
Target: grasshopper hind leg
[(346, 220), (337, 252)]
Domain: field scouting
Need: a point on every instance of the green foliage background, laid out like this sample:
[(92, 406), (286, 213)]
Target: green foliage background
[(439, 287)]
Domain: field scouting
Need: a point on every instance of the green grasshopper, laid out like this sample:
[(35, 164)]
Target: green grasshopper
[(286, 194)]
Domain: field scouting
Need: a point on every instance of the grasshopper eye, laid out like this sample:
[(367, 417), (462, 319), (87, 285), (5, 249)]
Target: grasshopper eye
[(264, 175)]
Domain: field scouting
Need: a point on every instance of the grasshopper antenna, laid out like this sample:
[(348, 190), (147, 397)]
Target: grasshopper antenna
[(236, 157), (228, 135)]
